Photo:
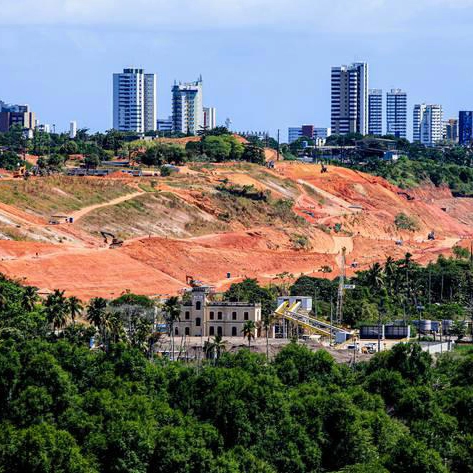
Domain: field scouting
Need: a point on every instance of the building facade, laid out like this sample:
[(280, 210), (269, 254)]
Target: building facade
[(349, 99), (134, 101), (16, 115), (465, 128), (72, 130), (309, 131), (187, 110), (164, 125), (396, 113), (450, 130), (427, 124), (375, 112), (210, 118), (202, 317)]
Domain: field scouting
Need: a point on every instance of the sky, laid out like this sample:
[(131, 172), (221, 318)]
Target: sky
[(265, 64)]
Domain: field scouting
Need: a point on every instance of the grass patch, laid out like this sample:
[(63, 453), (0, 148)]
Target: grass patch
[(60, 194)]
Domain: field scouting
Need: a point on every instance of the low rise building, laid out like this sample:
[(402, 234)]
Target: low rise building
[(203, 317)]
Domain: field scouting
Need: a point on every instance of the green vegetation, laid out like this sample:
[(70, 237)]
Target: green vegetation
[(59, 193), (69, 409), (404, 222)]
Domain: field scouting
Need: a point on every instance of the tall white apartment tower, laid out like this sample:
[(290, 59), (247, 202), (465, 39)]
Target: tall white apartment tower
[(396, 113), (72, 129), (349, 101), (375, 112), (427, 124), (187, 110), (210, 118), (134, 101)]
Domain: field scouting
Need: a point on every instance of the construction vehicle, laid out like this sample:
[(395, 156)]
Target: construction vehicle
[(323, 168), (399, 242), (431, 235), (190, 281), (114, 242), (20, 172)]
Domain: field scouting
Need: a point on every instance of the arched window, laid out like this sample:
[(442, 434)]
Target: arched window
[(234, 331), (212, 331), (198, 305), (176, 331), (246, 315), (219, 331), (187, 331), (197, 322)]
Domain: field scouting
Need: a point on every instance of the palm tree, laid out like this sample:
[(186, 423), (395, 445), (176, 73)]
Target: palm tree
[(29, 299), (267, 322), (172, 314), (217, 346), (375, 277), (249, 331), (97, 315), (75, 307), (56, 310), (115, 326)]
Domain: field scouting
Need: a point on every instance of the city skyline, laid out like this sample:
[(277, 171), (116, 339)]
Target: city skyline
[(66, 61)]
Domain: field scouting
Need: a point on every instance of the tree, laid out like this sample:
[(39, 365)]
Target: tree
[(56, 310), (75, 307), (30, 297), (458, 329), (97, 315), (249, 331), (253, 154), (215, 348), (172, 314)]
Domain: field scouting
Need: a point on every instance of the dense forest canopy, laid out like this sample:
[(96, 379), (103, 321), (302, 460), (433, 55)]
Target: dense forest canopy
[(67, 408)]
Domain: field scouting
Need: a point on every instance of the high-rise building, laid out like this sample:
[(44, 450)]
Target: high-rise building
[(349, 104), (16, 115), (427, 124), (450, 130), (187, 110), (134, 101), (72, 129), (309, 131), (375, 112), (210, 118), (396, 113), (465, 128)]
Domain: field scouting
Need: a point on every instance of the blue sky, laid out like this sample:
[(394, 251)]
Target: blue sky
[(266, 64)]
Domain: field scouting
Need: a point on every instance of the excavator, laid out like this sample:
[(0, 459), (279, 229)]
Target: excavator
[(114, 242), (190, 281), (431, 235), (323, 168), (20, 172)]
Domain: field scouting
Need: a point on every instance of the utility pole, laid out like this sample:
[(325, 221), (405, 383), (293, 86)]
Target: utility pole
[(315, 302), (277, 159), (379, 325), (331, 320), (341, 289)]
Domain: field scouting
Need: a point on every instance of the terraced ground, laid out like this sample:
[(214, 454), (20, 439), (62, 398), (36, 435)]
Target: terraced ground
[(210, 220)]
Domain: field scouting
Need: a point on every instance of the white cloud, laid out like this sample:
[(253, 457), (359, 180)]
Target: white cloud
[(331, 15)]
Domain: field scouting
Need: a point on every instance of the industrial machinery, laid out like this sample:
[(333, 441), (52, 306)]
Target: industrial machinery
[(190, 281), (20, 172), (431, 235), (323, 168), (110, 240)]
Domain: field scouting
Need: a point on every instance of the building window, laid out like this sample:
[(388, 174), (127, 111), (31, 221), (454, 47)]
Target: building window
[(187, 331), (219, 316), (212, 331), (234, 331), (212, 315), (234, 315), (246, 315), (187, 315), (219, 331), (197, 322), (198, 305), (176, 331)]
